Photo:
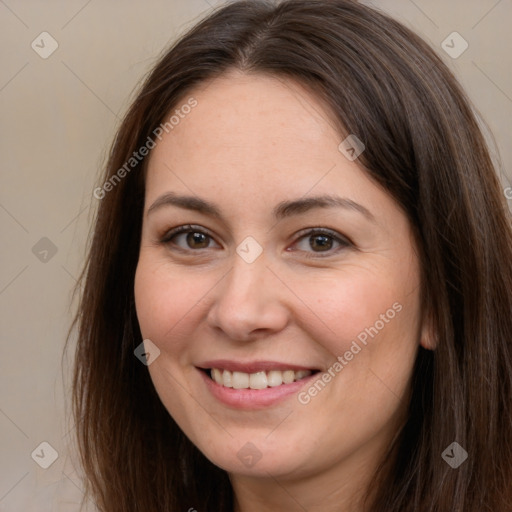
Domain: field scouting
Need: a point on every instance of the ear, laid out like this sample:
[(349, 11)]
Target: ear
[(428, 335)]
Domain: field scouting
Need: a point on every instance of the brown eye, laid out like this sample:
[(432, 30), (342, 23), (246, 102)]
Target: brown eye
[(188, 238), (321, 240), (197, 240)]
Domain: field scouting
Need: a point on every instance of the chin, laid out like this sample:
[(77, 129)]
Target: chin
[(259, 458)]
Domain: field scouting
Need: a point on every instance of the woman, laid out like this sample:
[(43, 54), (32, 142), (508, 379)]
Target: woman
[(299, 290)]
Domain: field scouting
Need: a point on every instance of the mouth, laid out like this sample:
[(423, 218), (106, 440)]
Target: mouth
[(253, 385), (257, 380)]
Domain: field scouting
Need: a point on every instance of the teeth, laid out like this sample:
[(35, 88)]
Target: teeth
[(288, 376), (259, 380), (274, 378), (240, 380), (216, 375), (227, 379)]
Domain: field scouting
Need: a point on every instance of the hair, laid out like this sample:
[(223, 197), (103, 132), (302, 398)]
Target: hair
[(424, 146)]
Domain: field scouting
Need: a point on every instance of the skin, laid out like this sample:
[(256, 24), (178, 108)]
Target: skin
[(251, 142)]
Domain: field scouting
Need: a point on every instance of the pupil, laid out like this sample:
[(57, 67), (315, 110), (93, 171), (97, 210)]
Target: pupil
[(325, 242), (195, 239)]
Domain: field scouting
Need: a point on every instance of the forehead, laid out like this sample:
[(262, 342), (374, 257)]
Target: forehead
[(243, 121), (235, 93), (254, 136), (254, 142)]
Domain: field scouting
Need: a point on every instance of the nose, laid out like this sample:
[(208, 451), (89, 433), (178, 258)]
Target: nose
[(249, 302)]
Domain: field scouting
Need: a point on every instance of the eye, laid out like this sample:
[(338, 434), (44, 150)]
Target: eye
[(188, 237), (318, 241)]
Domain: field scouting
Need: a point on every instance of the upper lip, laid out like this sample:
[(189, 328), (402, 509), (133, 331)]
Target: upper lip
[(251, 366)]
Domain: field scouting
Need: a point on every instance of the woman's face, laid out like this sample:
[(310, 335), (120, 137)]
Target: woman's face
[(295, 262)]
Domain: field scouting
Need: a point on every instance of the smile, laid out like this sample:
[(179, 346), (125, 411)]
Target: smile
[(253, 385), (258, 380)]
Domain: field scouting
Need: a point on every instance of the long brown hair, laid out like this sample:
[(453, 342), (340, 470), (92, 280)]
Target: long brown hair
[(423, 145)]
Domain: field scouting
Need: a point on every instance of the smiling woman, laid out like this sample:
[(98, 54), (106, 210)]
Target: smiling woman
[(301, 298)]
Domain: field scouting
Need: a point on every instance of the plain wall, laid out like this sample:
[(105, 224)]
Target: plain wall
[(58, 117)]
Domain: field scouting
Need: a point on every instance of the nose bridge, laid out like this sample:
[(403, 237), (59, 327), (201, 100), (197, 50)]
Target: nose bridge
[(247, 277), (247, 300)]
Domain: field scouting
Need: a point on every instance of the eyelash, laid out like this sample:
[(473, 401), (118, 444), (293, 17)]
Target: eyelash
[(190, 228)]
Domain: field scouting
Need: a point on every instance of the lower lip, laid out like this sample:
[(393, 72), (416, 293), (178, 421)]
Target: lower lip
[(253, 398)]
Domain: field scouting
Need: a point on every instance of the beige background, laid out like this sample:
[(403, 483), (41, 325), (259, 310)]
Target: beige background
[(58, 116)]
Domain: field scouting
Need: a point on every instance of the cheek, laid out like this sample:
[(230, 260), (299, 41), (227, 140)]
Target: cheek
[(370, 319), (371, 322), (167, 301), (167, 305), (346, 307)]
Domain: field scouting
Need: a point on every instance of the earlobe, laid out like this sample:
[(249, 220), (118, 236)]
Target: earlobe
[(428, 336)]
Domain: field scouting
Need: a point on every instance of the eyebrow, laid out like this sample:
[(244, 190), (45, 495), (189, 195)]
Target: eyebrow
[(282, 210)]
